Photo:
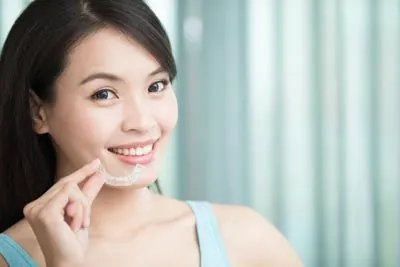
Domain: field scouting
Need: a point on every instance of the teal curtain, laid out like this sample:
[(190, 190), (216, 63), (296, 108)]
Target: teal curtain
[(291, 107)]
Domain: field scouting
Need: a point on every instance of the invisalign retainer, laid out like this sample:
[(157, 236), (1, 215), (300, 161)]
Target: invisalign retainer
[(127, 180)]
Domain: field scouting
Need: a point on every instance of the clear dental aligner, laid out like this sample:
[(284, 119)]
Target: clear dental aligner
[(127, 180)]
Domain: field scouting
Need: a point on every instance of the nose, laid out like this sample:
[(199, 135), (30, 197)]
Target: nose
[(137, 117)]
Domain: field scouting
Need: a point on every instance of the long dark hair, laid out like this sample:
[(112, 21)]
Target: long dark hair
[(33, 57)]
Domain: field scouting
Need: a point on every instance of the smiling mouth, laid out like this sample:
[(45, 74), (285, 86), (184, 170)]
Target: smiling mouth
[(133, 151), (140, 153)]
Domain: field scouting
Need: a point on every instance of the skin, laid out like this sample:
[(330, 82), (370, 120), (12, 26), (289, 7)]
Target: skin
[(128, 226)]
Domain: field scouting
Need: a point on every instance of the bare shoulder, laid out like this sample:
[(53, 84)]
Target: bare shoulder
[(23, 235), (3, 263), (251, 240)]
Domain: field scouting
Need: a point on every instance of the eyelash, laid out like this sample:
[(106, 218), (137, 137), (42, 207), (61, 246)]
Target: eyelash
[(96, 95), (164, 82)]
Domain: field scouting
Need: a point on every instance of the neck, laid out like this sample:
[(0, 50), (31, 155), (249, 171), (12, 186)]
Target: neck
[(126, 208)]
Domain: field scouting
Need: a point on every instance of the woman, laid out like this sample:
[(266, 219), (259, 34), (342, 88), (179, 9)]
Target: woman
[(86, 109)]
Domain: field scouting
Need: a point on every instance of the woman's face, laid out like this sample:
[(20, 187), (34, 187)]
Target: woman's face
[(113, 102)]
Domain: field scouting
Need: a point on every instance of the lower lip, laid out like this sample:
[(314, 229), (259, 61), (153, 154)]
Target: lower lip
[(133, 160)]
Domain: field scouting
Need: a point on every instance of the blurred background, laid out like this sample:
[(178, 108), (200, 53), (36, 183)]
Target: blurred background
[(291, 107)]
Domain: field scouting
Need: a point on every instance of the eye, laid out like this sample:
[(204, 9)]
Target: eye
[(104, 94), (158, 87)]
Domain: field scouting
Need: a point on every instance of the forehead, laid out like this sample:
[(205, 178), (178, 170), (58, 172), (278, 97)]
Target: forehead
[(110, 50)]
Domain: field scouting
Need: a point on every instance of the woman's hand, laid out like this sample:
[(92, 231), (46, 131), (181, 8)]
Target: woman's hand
[(60, 218)]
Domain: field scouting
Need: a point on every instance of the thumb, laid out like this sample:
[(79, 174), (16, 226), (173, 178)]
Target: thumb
[(92, 186)]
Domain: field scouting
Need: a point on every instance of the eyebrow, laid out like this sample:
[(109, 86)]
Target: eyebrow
[(100, 75), (157, 71), (112, 77)]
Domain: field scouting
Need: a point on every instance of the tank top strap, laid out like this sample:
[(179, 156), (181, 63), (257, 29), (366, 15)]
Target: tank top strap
[(14, 254), (212, 249)]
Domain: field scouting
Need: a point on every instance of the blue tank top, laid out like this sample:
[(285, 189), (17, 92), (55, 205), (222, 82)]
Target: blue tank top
[(212, 249)]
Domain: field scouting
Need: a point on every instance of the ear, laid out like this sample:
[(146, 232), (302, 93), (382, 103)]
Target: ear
[(38, 114)]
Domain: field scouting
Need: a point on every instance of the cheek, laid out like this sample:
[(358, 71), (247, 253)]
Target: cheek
[(78, 130), (73, 125), (86, 126), (167, 113)]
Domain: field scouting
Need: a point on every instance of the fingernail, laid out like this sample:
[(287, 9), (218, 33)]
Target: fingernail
[(96, 161), (101, 175)]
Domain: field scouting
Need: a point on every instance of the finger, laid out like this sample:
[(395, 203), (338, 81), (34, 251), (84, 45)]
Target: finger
[(77, 219), (78, 211), (86, 218), (86, 215), (49, 195), (56, 206), (92, 187), (76, 177), (71, 209), (84, 172), (31, 210)]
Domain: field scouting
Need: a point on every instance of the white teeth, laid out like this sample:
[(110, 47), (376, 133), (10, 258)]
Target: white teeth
[(147, 149), (139, 151)]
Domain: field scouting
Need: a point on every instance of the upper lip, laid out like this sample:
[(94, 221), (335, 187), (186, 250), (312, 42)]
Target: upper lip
[(136, 144)]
